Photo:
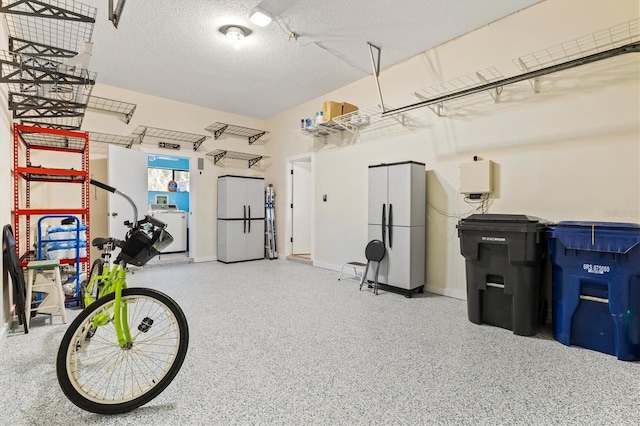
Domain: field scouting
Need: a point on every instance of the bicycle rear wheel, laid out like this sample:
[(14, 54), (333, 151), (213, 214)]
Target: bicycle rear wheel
[(98, 375)]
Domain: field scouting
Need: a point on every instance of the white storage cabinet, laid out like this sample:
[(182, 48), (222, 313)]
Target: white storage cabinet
[(397, 198), (240, 218)]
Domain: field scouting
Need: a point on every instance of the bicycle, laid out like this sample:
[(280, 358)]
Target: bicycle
[(127, 344)]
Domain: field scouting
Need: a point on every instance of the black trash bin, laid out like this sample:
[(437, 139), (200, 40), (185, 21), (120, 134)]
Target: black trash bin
[(504, 263)]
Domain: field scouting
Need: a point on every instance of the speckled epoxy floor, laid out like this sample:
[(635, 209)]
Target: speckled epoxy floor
[(277, 342)]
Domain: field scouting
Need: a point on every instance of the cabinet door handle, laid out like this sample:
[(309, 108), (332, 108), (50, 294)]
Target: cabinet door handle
[(390, 225), (249, 220), (244, 220), (384, 224)]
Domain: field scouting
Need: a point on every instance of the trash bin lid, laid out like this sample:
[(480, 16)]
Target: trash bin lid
[(502, 222), (502, 218)]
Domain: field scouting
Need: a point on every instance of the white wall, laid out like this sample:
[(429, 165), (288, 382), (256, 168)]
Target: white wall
[(570, 152)]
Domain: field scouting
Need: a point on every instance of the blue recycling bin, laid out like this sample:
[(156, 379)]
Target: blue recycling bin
[(596, 286)]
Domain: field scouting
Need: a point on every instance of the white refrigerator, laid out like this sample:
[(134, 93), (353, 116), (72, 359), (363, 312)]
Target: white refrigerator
[(397, 211), (240, 218)]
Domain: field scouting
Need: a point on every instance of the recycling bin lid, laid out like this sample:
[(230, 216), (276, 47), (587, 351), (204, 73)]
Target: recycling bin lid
[(608, 225), (606, 237)]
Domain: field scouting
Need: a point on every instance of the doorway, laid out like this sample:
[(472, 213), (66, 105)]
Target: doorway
[(168, 189), (300, 208)]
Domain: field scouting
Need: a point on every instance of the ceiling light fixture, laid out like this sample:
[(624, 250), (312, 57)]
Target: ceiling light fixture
[(235, 34), (260, 17)]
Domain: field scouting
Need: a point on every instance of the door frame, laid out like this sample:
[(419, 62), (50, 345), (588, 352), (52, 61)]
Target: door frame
[(308, 157), (193, 171)]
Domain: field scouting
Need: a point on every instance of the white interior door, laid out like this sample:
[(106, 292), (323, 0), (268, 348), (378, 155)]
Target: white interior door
[(127, 172), (301, 208)]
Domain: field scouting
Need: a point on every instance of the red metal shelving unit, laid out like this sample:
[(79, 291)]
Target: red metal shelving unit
[(47, 139)]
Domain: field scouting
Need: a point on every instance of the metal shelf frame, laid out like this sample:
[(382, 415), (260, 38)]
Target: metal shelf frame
[(66, 9), (43, 88), (63, 123), (124, 141), (252, 135), (31, 71), (615, 41), (370, 118), (220, 154), (52, 27), (143, 131), (27, 47), (53, 140), (461, 83), (322, 130), (43, 34), (125, 109)]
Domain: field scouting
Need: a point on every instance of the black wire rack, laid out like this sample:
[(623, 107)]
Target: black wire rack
[(142, 132), (218, 129)]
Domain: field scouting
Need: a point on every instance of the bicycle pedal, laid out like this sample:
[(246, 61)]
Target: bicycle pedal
[(145, 325)]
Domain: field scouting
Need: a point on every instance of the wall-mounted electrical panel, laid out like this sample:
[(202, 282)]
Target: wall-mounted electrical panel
[(475, 177)]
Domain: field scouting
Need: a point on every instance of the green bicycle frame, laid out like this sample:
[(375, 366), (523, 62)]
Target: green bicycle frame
[(113, 282)]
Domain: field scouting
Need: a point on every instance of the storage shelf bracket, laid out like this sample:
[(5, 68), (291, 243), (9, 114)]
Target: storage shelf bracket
[(219, 156), (142, 132), (251, 159), (534, 82), (218, 129), (437, 109), (254, 161), (255, 137), (197, 144), (495, 93)]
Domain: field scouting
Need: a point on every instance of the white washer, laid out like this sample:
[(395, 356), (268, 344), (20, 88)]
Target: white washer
[(176, 221)]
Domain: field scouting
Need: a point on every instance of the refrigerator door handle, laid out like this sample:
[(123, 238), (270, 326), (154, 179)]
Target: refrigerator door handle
[(249, 231), (390, 225), (384, 224), (244, 220)]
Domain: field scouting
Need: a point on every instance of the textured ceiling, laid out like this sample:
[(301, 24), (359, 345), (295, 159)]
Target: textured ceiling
[(173, 49)]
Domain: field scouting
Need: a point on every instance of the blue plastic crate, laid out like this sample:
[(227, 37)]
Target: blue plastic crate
[(596, 286)]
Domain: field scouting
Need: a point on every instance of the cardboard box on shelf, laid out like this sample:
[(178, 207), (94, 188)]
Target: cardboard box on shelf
[(347, 108), (331, 109)]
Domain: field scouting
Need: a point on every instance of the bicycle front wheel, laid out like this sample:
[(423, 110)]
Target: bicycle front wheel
[(100, 376)]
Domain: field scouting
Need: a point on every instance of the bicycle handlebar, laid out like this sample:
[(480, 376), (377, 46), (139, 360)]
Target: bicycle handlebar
[(155, 222), (115, 191)]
